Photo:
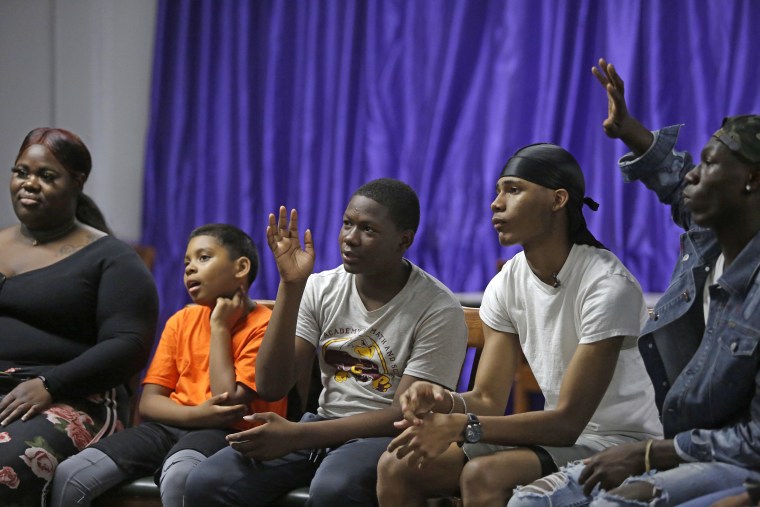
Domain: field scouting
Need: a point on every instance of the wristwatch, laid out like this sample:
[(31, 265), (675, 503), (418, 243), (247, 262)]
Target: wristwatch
[(472, 431)]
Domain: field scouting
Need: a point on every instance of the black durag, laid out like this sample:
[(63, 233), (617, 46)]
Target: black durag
[(554, 167)]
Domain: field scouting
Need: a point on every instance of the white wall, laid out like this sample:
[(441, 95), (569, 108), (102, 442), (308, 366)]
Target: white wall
[(83, 65)]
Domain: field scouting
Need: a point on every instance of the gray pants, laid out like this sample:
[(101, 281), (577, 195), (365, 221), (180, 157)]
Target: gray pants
[(87, 475), (166, 452)]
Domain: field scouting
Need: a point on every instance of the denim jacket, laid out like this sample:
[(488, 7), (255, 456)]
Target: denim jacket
[(706, 377)]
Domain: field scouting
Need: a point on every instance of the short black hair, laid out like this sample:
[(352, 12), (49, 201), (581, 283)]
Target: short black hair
[(400, 199), (235, 241)]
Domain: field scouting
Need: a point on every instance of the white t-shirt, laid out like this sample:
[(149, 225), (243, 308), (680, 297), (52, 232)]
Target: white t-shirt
[(597, 299), (712, 278), (362, 355)]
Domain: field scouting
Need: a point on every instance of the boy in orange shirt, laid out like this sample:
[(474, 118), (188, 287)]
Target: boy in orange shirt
[(199, 385)]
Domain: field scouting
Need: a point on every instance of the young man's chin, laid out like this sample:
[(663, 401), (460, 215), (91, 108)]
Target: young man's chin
[(701, 217), (506, 241), (351, 267), (702, 220)]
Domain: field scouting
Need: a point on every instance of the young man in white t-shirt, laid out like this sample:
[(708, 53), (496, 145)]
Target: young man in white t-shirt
[(377, 324), (700, 345), (575, 311)]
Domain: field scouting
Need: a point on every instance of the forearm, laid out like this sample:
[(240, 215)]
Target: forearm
[(637, 137), (662, 169), (275, 371), (663, 455), (166, 411), (737, 444), (476, 402), (103, 366), (543, 427), (482, 403), (333, 432), (221, 364), (450, 403)]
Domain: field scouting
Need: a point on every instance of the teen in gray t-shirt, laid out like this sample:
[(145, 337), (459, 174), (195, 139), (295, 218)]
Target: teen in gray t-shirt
[(364, 354), (378, 323)]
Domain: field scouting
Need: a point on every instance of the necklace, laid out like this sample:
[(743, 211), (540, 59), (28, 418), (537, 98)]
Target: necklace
[(41, 237)]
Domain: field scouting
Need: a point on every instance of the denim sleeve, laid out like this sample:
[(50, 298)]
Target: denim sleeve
[(738, 444), (662, 169)]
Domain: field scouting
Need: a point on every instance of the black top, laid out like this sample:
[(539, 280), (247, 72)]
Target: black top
[(86, 322)]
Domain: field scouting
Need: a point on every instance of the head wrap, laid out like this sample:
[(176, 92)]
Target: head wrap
[(741, 134), (553, 167)]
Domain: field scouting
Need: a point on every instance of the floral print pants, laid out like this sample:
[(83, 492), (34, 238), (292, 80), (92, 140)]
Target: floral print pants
[(31, 450)]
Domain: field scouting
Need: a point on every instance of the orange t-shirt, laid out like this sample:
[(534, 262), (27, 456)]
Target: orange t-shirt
[(181, 359)]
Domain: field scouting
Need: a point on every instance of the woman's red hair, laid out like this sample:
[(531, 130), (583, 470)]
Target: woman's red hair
[(74, 156), (65, 146)]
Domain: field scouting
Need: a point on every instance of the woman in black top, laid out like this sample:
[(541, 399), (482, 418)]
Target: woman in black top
[(78, 311)]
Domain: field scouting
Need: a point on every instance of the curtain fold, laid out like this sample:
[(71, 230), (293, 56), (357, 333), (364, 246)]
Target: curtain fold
[(258, 104)]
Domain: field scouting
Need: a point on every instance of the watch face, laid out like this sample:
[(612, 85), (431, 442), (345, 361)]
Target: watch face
[(472, 433)]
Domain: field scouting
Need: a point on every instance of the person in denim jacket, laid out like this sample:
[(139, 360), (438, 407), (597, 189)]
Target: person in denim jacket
[(700, 345)]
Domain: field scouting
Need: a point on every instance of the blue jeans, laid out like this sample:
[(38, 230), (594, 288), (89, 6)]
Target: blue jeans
[(708, 500), (672, 487)]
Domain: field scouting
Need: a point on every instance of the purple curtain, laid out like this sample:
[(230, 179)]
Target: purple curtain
[(261, 103)]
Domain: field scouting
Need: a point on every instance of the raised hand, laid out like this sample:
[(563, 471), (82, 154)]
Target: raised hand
[(619, 123), (294, 263), (417, 401), (617, 109)]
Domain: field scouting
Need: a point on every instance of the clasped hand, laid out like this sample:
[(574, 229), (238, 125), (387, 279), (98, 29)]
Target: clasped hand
[(428, 440), (417, 401), (426, 434), (275, 438), (25, 401), (215, 412)]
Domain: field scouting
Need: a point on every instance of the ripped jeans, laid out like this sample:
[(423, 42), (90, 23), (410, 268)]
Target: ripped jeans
[(672, 487)]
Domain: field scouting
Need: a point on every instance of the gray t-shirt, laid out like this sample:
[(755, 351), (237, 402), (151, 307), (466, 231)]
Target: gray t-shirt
[(362, 355)]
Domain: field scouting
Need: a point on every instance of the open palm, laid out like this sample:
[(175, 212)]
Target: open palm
[(617, 110), (293, 262)]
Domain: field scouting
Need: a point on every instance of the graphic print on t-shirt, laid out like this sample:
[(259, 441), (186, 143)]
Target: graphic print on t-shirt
[(358, 358)]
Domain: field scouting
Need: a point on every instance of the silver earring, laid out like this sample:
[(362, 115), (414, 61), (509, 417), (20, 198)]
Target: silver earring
[(748, 188)]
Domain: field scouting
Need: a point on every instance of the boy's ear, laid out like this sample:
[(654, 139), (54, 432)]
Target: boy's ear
[(561, 198), (242, 267), (407, 238)]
